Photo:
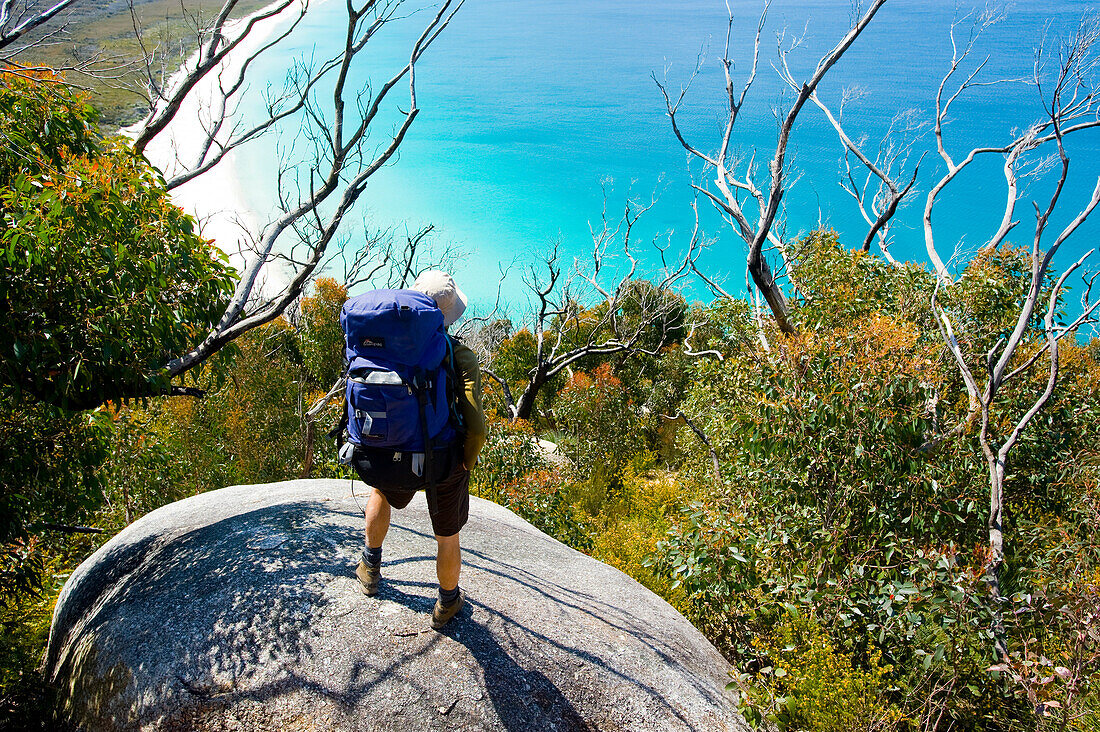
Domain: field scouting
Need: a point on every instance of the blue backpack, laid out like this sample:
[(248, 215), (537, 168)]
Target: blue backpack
[(400, 407)]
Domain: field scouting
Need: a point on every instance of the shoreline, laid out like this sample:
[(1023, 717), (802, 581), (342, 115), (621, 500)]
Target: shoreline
[(216, 198)]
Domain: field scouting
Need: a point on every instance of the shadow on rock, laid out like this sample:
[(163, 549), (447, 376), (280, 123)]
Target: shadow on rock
[(221, 601), (524, 699)]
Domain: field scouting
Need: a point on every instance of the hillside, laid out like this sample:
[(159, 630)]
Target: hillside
[(99, 39)]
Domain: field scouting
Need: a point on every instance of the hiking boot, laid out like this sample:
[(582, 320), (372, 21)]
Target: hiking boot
[(368, 575), (442, 614)]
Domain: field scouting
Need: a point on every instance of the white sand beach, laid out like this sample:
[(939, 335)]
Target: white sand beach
[(215, 198)]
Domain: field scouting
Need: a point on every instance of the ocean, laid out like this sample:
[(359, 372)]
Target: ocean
[(538, 115)]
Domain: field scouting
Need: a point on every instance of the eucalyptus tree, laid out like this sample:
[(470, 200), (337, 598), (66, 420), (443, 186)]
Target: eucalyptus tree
[(1066, 85), (1064, 79)]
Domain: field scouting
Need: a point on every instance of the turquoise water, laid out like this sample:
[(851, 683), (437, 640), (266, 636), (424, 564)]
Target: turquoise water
[(531, 109)]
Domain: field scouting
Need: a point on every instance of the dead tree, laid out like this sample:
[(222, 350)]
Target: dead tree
[(338, 123), (1070, 105), (213, 69), (738, 189), (580, 311)]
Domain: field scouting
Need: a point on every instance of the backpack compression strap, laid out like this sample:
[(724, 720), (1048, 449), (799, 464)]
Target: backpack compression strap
[(337, 432)]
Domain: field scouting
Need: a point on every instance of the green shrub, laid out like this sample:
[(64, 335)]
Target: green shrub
[(320, 337), (629, 534), (140, 473), (104, 279), (512, 471), (602, 427), (48, 477), (27, 702), (809, 685), (511, 451), (836, 502)]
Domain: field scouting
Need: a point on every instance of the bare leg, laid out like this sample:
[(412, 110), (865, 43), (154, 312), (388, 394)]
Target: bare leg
[(378, 519), (448, 561)]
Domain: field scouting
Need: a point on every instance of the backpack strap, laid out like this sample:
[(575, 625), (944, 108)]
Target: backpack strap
[(457, 420), (345, 450), (420, 386), (337, 432)]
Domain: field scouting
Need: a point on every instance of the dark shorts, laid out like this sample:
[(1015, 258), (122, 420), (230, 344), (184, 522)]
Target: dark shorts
[(452, 491)]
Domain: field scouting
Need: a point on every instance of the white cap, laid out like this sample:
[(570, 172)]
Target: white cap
[(441, 287)]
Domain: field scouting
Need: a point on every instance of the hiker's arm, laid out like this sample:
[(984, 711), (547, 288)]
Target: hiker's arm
[(469, 402)]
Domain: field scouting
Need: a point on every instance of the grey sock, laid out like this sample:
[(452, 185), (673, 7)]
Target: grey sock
[(448, 597)]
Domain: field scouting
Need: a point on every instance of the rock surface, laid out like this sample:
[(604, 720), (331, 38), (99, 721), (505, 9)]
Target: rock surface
[(238, 610)]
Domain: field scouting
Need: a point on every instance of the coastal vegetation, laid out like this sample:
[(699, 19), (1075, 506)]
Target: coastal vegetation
[(808, 478)]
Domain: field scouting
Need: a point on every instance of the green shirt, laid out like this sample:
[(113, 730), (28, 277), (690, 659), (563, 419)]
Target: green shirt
[(468, 393)]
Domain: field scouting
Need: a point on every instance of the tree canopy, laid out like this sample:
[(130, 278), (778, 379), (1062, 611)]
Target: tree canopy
[(104, 278)]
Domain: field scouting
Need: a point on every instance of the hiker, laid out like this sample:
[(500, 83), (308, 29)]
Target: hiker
[(446, 472)]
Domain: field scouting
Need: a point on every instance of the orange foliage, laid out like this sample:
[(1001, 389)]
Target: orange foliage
[(601, 378)]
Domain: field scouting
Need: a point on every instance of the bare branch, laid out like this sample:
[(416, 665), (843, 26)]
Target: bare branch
[(584, 312), (14, 27), (715, 465), (688, 351), (509, 401), (1052, 337), (340, 150), (893, 194), (212, 52), (318, 406), (761, 232)]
